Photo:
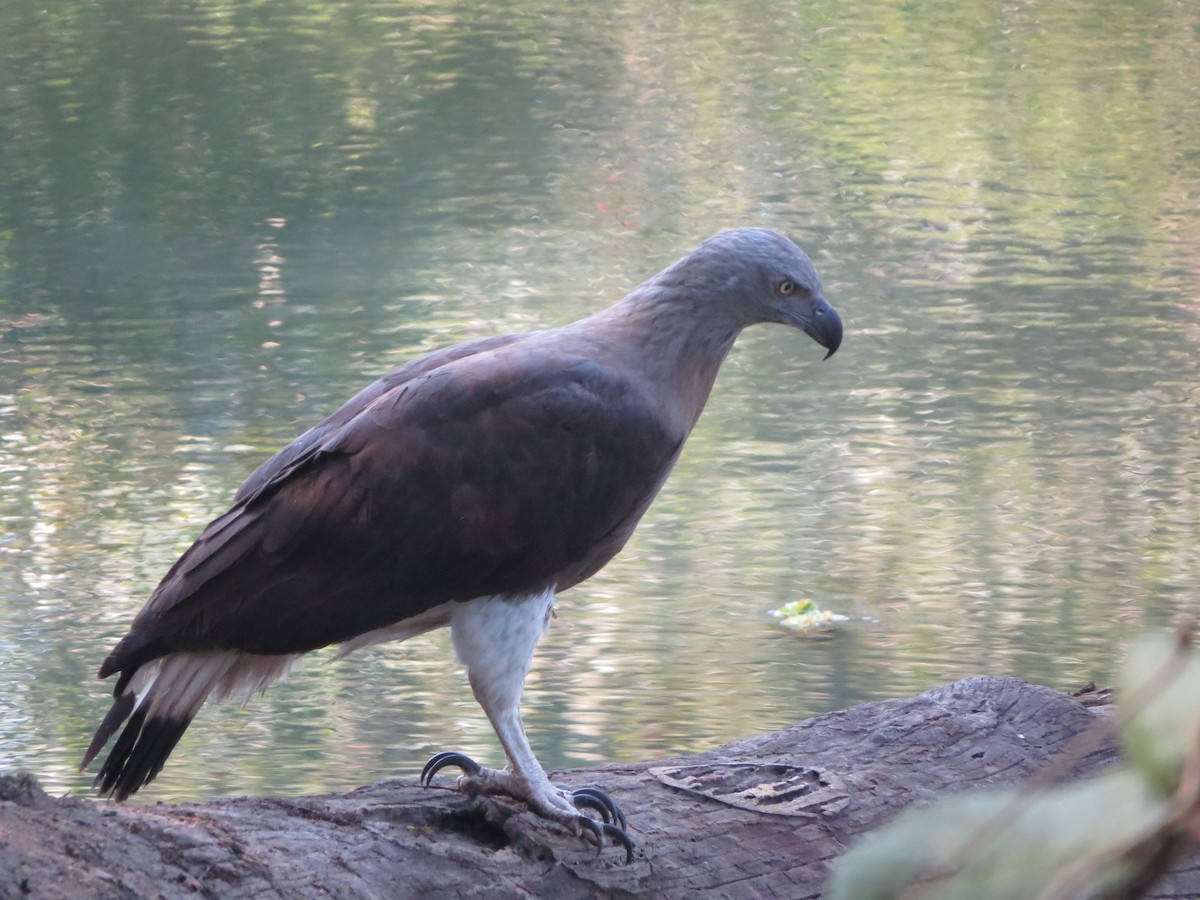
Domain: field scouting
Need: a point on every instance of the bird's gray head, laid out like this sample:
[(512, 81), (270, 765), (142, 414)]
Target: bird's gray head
[(764, 277)]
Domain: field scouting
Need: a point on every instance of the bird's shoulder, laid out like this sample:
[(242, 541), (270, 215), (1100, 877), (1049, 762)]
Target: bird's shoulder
[(348, 411)]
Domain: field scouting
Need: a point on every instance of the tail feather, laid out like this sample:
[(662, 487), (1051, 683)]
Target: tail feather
[(119, 712), (139, 754), (158, 701)]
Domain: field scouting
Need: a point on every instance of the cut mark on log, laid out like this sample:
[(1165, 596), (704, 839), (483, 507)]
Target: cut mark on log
[(775, 790)]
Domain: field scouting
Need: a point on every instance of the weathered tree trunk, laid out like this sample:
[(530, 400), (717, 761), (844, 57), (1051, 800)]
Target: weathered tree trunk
[(757, 818)]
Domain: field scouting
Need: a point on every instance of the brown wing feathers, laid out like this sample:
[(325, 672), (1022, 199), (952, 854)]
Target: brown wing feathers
[(432, 489)]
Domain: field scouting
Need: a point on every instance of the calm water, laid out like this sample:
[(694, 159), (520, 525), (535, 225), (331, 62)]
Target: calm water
[(219, 221)]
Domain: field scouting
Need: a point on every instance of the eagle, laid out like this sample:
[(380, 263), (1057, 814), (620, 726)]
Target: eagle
[(464, 489)]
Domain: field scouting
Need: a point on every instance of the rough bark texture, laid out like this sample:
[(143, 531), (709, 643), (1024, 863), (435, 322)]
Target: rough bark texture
[(761, 817)]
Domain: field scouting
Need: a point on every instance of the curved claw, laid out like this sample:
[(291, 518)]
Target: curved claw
[(594, 798), (619, 835), (448, 758), (599, 829), (587, 801)]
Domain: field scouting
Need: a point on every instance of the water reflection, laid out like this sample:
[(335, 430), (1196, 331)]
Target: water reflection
[(212, 241)]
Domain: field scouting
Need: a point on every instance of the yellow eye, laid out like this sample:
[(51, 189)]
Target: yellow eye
[(786, 287)]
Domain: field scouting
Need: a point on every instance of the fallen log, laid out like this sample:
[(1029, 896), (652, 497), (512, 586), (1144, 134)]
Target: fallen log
[(761, 817)]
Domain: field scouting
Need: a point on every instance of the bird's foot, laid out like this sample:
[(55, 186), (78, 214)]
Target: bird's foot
[(540, 796)]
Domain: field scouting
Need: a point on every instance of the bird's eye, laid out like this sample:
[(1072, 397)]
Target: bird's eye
[(786, 287)]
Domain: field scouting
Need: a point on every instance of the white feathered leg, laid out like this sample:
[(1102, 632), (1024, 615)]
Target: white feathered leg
[(494, 637)]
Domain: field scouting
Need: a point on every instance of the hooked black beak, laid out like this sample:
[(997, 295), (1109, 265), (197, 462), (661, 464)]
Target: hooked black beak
[(823, 325)]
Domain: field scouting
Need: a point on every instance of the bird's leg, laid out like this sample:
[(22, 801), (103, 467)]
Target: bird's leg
[(523, 777), (495, 638)]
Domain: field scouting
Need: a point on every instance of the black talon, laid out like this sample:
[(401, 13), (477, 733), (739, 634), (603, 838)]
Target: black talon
[(594, 826), (594, 798), (599, 829), (448, 758), (619, 835), (587, 801)]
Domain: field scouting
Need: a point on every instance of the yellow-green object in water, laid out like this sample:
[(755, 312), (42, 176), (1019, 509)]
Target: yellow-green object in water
[(806, 617)]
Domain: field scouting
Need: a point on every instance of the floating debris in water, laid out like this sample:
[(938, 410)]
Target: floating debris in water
[(805, 617)]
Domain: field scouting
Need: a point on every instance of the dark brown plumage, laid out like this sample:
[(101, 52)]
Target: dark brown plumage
[(464, 488)]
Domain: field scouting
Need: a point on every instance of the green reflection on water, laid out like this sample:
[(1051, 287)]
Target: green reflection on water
[(218, 222)]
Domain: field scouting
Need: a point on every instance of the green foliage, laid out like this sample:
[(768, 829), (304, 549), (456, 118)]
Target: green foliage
[(1004, 844), (1160, 690), (1092, 838)]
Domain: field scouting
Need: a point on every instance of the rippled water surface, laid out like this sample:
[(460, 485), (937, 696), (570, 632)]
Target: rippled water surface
[(219, 221)]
